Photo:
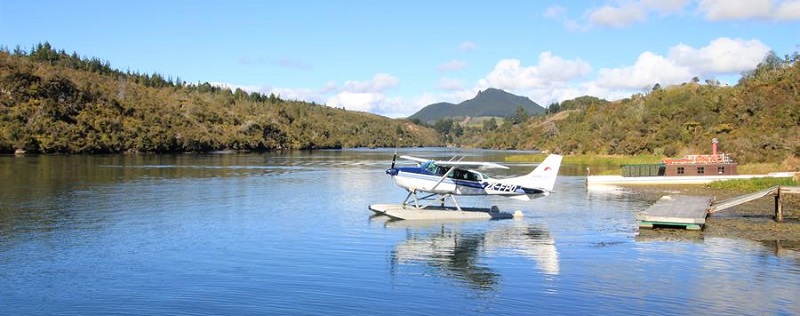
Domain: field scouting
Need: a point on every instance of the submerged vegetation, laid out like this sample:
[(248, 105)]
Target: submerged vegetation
[(54, 102)]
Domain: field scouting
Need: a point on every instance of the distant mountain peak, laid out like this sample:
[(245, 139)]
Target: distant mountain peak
[(489, 102)]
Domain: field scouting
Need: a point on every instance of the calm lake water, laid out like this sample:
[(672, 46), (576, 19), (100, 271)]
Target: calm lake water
[(290, 234)]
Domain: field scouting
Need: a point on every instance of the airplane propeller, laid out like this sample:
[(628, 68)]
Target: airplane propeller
[(394, 159)]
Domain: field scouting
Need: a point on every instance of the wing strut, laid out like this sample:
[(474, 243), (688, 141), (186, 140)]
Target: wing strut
[(442, 198), (443, 177)]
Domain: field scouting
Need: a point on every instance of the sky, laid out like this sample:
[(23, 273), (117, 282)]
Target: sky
[(394, 57)]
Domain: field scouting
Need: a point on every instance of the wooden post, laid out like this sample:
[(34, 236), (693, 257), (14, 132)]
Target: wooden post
[(778, 207)]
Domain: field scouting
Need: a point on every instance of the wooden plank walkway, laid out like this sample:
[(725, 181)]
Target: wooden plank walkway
[(741, 199), (676, 211)]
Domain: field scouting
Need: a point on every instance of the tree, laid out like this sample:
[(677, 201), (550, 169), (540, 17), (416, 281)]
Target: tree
[(554, 107), (520, 116), (443, 126), (489, 125), (657, 87)]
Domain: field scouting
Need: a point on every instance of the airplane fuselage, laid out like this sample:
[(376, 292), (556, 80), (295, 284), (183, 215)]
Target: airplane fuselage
[(430, 178)]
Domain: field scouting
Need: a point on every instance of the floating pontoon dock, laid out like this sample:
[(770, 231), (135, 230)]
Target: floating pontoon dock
[(680, 210), (690, 212), (408, 212)]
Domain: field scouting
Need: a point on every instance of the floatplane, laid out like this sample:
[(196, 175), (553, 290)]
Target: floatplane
[(440, 181)]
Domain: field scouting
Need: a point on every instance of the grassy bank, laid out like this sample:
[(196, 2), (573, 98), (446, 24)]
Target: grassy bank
[(590, 159), (613, 162), (751, 185)]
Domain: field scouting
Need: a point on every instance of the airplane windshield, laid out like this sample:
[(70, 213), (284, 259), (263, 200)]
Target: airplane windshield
[(429, 166), (460, 174)]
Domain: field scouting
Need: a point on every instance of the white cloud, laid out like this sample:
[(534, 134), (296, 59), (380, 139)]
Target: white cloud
[(379, 83), (467, 46), (788, 10), (358, 101), (717, 10), (666, 6), (721, 56), (329, 87), (617, 16), (734, 9), (648, 70), (623, 13), (510, 74), (368, 96), (555, 68), (299, 94), (453, 65), (233, 86), (559, 13)]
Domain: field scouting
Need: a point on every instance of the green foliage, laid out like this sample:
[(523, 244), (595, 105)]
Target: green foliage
[(554, 107), (51, 102), (752, 185), (581, 103), (520, 116), (489, 125)]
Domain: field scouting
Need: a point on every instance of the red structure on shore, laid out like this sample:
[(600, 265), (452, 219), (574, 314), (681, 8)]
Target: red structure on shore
[(701, 165)]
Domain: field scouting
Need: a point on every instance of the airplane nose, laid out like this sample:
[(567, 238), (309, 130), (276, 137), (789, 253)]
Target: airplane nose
[(391, 171)]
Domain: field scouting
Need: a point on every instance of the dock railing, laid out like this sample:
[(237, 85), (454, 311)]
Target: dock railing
[(777, 190)]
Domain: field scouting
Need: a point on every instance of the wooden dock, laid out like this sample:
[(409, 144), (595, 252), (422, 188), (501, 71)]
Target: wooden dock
[(690, 212), (676, 211)]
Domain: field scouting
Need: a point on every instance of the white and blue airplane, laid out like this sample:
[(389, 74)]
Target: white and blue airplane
[(454, 177)]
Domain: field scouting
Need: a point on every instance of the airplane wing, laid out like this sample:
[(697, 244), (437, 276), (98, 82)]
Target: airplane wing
[(419, 160), (480, 165)]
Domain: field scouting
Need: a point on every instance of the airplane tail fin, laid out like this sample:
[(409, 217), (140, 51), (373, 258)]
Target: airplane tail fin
[(543, 177)]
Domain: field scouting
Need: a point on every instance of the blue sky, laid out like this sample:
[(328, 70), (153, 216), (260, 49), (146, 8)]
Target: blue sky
[(394, 57)]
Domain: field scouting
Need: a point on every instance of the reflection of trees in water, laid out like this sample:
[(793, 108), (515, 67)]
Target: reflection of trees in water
[(463, 263), (456, 255)]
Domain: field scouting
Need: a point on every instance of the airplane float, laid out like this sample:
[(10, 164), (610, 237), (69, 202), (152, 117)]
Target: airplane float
[(442, 180)]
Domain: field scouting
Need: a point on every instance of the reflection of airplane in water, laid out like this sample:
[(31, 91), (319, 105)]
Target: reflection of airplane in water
[(445, 247)]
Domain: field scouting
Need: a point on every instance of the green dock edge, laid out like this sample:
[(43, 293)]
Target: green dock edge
[(649, 224)]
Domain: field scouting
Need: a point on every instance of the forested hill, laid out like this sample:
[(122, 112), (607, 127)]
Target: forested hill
[(489, 103), (53, 102), (757, 120)]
